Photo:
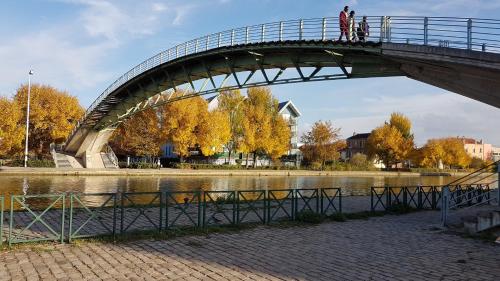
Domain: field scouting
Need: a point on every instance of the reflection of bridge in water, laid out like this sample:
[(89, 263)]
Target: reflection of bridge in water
[(456, 54)]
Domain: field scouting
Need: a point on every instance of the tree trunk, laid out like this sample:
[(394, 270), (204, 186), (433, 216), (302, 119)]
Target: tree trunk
[(254, 159), (246, 161), (229, 157)]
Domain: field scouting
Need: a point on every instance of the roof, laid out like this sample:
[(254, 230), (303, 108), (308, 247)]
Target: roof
[(288, 104), (210, 99), (359, 136)]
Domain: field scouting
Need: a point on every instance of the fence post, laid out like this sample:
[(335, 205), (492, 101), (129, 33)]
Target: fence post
[(340, 200), (281, 31), (63, 216), (405, 196), (263, 33), (469, 34), (445, 204), (247, 34), (433, 205), (219, 37), (382, 28), (483, 47), (426, 31), (498, 185), (301, 29), (232, 37), (323, 30), (1, 219), (371, 199), (420, 190), (388, 200), (208, 43)]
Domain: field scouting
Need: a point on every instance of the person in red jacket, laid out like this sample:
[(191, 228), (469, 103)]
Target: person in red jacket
[(344, 25)]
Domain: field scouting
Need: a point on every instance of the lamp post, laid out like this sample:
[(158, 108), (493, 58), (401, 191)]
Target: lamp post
[(27, 119)]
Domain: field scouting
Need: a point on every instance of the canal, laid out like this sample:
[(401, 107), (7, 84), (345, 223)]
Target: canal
[(351, 185)]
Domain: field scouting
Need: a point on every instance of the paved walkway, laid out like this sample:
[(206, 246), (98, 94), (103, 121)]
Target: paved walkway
[(404, 247)]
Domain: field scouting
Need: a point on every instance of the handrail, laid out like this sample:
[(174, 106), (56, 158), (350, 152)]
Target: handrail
[(482, 170), (111, 155), (397, 29)]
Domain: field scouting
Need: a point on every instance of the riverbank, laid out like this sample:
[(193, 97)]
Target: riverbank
[(9, 171)]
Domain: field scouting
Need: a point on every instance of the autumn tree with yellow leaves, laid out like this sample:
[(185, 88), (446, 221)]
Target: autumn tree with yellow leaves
[(231, 102), (140, 135), (11, 132), (187, 123), (53, 114), (264, 131), (392, 142), (321, 143), (449, 151)]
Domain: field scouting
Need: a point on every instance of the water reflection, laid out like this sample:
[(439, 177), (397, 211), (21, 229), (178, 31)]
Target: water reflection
[(103, 184)]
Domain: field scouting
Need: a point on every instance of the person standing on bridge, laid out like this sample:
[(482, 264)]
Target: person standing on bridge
[(363, 30), (352, 27), (344, 25)]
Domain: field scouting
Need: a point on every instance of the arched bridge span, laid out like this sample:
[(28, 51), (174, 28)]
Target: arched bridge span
[(459, 55)]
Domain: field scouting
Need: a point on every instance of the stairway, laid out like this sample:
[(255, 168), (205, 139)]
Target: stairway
[(483, 220), (107, 161), (62, 161)]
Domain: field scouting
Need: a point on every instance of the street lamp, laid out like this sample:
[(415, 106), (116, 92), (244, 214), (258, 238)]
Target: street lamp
[(27, 119)]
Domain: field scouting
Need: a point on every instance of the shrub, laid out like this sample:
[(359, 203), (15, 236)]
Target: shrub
[(309, 217)]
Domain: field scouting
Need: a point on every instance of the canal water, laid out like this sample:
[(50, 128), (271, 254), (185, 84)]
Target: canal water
[(351, 185)]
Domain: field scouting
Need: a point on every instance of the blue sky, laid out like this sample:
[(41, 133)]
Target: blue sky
[(83, 45)]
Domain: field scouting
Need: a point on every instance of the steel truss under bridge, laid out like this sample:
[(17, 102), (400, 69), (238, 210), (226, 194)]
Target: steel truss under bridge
[(457, 54)]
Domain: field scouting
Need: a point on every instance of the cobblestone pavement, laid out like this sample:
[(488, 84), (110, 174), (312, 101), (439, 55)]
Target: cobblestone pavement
[(406, 247)]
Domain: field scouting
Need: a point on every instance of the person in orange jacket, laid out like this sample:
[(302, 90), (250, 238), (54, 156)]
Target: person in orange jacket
[(344, 25)]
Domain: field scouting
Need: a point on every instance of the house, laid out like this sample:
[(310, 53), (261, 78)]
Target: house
[(289, 112), (356, 144), (477, 149)]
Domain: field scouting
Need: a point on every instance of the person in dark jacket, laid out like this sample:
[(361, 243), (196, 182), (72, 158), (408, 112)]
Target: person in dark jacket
[(363, 30), (344, 25)]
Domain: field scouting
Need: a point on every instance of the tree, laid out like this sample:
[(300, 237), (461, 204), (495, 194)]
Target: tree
[(360, 161), (391, 142), (280, 142), (264, 131), (322, 143), (187, 123), (230, 102), (449, 151), (11, 132), (53, 114), (180, 120), (139, 136), (213, 132)]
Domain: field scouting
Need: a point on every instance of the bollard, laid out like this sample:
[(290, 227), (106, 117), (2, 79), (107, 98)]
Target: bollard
[(445, 204)]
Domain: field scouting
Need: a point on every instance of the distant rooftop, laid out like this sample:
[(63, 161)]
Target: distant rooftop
[(359, 136)]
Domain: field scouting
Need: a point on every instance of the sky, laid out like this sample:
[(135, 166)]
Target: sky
[(82, 46)]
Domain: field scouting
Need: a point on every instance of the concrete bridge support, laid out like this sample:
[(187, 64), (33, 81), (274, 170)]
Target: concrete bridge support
[(88, 144)]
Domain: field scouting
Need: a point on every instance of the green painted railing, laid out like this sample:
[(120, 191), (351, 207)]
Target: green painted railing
[(422, 197), (46, 217)]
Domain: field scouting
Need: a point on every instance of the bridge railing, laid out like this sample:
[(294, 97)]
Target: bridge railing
[(462, 33)]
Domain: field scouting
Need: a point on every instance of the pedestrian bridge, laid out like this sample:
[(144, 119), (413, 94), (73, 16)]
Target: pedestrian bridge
[(457, 54)]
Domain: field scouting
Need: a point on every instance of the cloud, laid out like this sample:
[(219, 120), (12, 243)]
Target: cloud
[(437, 114), (74, 55)]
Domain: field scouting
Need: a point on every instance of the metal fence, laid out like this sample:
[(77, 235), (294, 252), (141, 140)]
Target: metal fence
[(46, 217), (425, 197), (462, 33)]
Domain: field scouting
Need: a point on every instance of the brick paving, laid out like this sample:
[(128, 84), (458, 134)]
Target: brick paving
[(406, 247)]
